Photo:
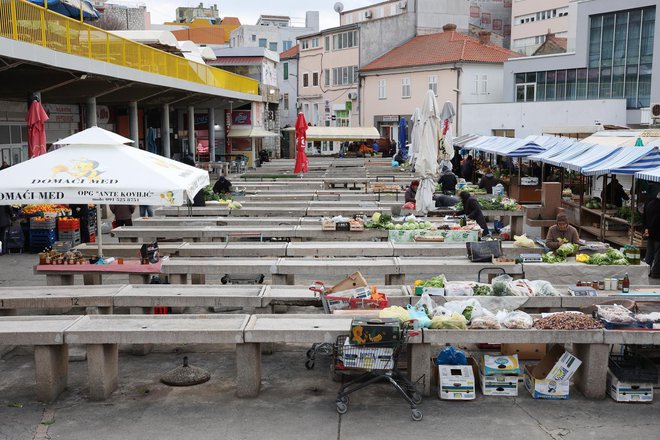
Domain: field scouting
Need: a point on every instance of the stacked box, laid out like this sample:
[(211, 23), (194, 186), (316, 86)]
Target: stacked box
[(72, 237), (498, 375), (41, 239), (456, 382)]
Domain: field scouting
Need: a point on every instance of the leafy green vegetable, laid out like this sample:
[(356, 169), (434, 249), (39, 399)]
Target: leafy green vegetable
[(566, 249), (467, 312), (551, 257), (482, 290), (437, 281)]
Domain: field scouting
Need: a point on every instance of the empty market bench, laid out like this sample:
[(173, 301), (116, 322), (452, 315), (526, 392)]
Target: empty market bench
[(102, 335), (51, 355), (181, 270)]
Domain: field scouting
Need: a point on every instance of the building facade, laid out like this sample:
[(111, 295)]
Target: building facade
[(458, 68), (287, 74), (274, 33), (532, 20), (606, 77), (185, 14)]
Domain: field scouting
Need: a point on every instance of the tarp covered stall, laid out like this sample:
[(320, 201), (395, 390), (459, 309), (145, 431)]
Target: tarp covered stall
[(252, 133), (590, 158), (577, 150), (626, 161)]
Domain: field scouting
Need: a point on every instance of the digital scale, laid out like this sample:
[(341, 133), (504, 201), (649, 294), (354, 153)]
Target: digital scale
[(582, 291), (531, 258)]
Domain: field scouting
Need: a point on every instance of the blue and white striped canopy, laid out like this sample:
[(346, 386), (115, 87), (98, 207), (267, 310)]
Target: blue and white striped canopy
[(538, 145), (493, 144), (628, 160), (652, 175), (591, 158), (576, 150), (553, 151)]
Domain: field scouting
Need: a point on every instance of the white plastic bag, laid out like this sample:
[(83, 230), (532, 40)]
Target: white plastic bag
[(518, 320), (458, 288), (544, 288), (485, 323), (426, 300), (460, 306), (522, 288), (523, 241)]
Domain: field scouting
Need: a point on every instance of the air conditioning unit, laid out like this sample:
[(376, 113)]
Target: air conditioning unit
[(368, 14), (352, 96), (655, 112), (403, 4)]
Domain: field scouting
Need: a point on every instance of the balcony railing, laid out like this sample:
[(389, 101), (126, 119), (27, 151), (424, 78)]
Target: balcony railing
[(29, 23)]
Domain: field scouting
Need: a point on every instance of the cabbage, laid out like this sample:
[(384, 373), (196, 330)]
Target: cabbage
[(613, 254), (599, 259), (566, 249)]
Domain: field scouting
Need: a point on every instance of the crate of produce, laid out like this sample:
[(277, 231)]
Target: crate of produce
[(43, 223), (72, 237), (328, 226), (68, 224), (356, 226), (633, 368), (62, 246)]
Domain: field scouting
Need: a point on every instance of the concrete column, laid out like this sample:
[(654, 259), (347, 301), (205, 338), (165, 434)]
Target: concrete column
[(103, 370), (248, 370), (133, 123), (51, 369), (192, 143), (165, 130), (211, 134), (591, 377), (91, 112), (419, 365)]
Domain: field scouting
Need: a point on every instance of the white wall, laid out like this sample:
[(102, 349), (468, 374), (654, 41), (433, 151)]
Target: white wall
[(530, 118), (494, 83)]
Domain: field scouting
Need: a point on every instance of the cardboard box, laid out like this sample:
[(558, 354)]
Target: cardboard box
[(498, 385), (339, 300), (500, 365), (628, 392), (456, 382), (349, 283), (550, 378), (368, 358), (386, 331), (525, 351)]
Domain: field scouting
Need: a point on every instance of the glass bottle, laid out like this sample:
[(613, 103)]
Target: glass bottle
[(625, 285)]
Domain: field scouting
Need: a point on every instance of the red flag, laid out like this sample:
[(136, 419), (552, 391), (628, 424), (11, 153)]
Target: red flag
[(36, 120), (302, 163)]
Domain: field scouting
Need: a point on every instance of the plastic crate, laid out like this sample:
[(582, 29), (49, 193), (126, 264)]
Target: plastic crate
[(62, 246), (92, 238), (42, 234), (69, 235), (68, 225), (49, 223), (633, 368)]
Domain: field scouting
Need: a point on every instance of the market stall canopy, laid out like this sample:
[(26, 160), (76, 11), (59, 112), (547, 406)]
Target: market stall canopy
[(555, 150), (624, 138), (570, 153), (342, 134), (652, 175), (536, 145), (162, 40), (493, 144), (250, 132), (461, 141), (591, 158), (628, 160)]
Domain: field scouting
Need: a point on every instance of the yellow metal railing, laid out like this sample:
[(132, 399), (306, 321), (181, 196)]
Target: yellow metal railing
[(24, 21)]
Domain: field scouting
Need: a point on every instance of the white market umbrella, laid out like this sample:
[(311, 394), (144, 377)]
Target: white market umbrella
[(96, 167), (446, 152), (426, 163), (414, 136)]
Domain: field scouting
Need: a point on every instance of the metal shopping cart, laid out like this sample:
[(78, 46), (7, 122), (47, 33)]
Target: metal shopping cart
[(359, 299), (378, 363)]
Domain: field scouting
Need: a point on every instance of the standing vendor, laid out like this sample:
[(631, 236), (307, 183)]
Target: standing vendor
[(561, 233), (472, 210), (488, 181), (652, 234), (613, 194)]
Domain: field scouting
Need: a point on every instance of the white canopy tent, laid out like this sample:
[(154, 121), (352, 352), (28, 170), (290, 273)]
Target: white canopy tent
[(590, 158), (627, 160)]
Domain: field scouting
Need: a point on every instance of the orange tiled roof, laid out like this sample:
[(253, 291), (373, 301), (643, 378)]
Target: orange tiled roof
[(439, 48), (202, 35), (290, 53)]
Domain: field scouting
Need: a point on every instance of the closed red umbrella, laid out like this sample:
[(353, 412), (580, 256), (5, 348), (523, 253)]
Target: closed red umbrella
[(36, 120), (302, 163)]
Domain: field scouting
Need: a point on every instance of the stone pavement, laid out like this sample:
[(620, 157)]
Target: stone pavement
[(294, 403)]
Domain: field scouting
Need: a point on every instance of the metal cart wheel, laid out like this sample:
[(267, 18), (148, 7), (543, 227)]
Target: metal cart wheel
[(342, 408), (309, 364), (416, 398), (416, 415), (344, 400)]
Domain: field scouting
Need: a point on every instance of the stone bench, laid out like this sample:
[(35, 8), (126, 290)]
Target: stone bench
[(103, 334), (64, 274), (589, 346), (287, 269), (180, 270), (51, 354), (282, 329), (127, 250), (13, 299)]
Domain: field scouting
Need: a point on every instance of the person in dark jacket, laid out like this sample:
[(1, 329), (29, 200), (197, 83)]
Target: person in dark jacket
[(6, 216), (411, 192), (472, 210), (222, 186), (652, 233), (467, 168), (448, 180), (123, 214), (613, 194), (488, 182), (81, 212)]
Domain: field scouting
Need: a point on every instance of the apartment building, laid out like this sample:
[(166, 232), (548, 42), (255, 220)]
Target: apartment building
[(275, 33), (533, 20)]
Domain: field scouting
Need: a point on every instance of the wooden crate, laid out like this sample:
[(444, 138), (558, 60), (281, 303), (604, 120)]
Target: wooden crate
[(328, 226)]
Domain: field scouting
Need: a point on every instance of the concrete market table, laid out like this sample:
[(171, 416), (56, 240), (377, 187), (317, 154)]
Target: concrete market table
[(63, 274)]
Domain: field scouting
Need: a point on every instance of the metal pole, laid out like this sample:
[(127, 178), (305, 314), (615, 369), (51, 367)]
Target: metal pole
[(603, 209), (133, 123), (632, 212), (211, 134), (91, 112), (99, 232), (165, 130), (191, 131)]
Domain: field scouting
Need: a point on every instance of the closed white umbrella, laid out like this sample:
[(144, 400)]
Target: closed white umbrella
[(95, 167), (414, 136), (426, 163), (446, 153)]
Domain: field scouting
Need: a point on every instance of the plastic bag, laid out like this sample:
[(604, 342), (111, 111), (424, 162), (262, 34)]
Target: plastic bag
[(518, 320), (449, 322), (420, 316), (395, 312), (543, 288), (485, 323), (458, 288), (409, 205), (501, 286), (451, 356), (470, 308), (427, 304), (523, 241), (521, 288)]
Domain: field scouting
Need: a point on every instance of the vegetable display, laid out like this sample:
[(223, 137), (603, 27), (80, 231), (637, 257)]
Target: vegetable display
[(493, 205), (566, 249), (612, 257), (551, 257), (437, 282)]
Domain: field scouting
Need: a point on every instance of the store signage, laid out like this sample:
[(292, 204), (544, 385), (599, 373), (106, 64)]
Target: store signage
[(242, 117), (390, 118)]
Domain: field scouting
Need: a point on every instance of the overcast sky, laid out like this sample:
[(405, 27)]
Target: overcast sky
[(249, 10)]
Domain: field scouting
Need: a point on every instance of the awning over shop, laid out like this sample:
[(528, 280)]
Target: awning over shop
[(627, 160), (461, 141), (652, 175), (250, 132), (591, 158), (553, 151), (342, 134), (519, 148), (570, 153), (493, 144)]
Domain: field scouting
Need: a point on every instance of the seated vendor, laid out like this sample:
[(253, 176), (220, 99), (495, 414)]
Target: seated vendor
[(411, 192), (222, 186), (561, 233)]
